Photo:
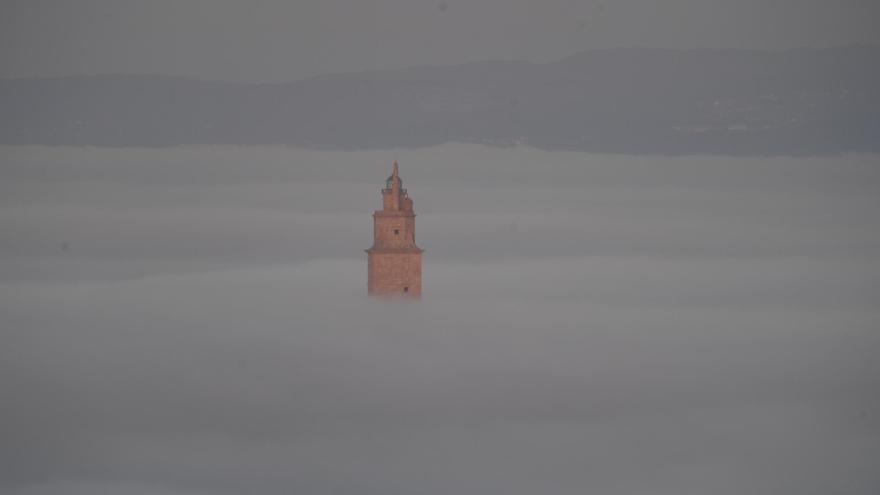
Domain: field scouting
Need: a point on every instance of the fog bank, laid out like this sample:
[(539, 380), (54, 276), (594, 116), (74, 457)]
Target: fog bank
[(194, 320)]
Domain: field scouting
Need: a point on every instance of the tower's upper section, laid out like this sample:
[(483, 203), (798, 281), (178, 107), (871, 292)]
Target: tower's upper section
[(394, 197), (394, 226)]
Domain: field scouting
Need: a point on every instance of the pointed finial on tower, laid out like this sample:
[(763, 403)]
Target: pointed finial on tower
[(395, 172)]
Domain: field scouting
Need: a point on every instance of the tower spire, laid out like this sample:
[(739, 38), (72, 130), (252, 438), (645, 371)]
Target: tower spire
[(395, 182)]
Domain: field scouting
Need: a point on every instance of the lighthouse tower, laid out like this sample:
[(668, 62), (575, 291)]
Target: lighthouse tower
[(394, 263)]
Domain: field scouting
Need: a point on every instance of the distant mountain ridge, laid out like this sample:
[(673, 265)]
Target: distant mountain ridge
[(803, 101)]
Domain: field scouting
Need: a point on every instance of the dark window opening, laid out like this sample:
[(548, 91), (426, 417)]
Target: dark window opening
[(396, 231), (406, 289)]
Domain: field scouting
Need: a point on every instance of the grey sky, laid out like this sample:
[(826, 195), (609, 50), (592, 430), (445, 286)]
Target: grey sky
[(266, 40)]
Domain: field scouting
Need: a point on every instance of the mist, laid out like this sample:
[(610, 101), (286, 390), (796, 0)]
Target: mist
[(194, 320), (278, 40)]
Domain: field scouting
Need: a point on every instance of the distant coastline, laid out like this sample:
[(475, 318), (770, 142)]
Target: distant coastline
[(631, 101)]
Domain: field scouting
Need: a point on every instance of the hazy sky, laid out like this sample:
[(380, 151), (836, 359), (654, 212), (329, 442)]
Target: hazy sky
[(272, 40)]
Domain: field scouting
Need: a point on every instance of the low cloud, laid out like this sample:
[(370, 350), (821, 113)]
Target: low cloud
[(699, 332)]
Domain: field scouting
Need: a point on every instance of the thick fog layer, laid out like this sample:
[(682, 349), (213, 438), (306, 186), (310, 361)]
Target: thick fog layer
[(195, 320)]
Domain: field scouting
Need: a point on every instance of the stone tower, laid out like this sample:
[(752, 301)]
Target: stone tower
[(394, 263)]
